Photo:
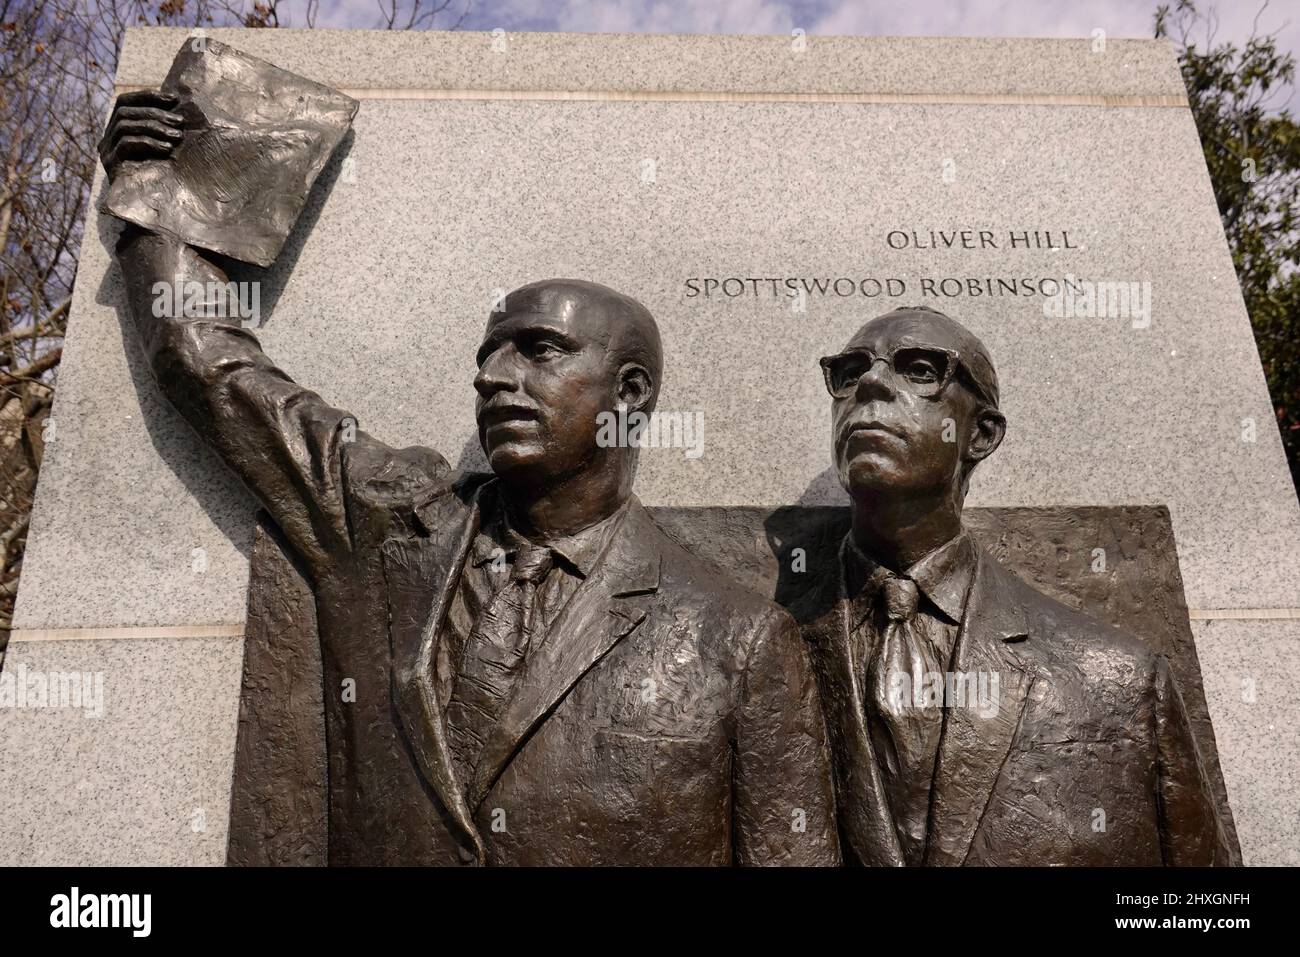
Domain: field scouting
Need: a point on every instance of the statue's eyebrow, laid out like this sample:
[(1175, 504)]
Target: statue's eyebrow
[(525, 331), (490, 344)]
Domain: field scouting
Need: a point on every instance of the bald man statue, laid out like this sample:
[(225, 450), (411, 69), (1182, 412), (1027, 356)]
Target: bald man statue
[(973, 719), (520, 668)]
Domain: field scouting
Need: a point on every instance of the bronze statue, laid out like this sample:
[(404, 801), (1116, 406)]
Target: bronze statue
[(520, 667), (972, 719)]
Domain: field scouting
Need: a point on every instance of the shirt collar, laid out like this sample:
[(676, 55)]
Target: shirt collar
[(944, 575), (579, 550)]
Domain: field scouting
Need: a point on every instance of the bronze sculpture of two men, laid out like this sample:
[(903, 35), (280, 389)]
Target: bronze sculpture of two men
[(539, 675)]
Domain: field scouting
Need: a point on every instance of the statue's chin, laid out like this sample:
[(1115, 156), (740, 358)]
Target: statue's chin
[(867, 475), (516, 460)]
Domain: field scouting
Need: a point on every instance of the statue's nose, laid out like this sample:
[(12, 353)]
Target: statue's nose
[(497, 374), (876, 382)]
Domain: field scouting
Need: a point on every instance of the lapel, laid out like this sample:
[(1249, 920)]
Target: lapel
[(432, 557), (973, 748), (605, 608), (865, 821)]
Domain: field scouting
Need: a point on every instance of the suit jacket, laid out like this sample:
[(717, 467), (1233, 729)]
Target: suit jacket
[(668, 718), (1089, 723)]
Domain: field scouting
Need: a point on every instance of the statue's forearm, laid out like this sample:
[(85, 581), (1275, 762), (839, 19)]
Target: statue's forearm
[(154, 267), (283, 440), (191, 342)]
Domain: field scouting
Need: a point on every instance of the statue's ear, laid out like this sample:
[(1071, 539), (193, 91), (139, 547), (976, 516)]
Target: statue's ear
[(986, 434), (636, 390)]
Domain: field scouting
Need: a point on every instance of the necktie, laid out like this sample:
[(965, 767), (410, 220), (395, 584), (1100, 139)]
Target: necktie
[(890, 671), (903, 734), (495, 656)]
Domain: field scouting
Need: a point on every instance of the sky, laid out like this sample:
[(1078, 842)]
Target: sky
[(1011, 18)]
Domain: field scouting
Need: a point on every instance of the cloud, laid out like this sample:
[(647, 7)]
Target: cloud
[(637, 16)]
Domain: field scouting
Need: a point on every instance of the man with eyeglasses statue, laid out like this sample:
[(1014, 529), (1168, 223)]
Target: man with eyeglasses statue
[(1077, 748)]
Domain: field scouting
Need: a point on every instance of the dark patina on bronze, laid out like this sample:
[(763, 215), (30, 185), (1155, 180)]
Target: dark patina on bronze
[(518, 667)]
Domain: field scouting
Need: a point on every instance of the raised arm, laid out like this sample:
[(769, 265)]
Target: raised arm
[(284, 441)]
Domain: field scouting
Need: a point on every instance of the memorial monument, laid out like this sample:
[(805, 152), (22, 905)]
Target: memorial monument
[(474, 168)]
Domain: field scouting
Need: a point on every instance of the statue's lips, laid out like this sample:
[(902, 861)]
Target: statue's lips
[(870, 429), (494, 417)]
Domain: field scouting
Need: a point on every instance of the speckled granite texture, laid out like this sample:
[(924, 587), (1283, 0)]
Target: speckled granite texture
[(641, 62), (1251, 670), (145, 782)]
